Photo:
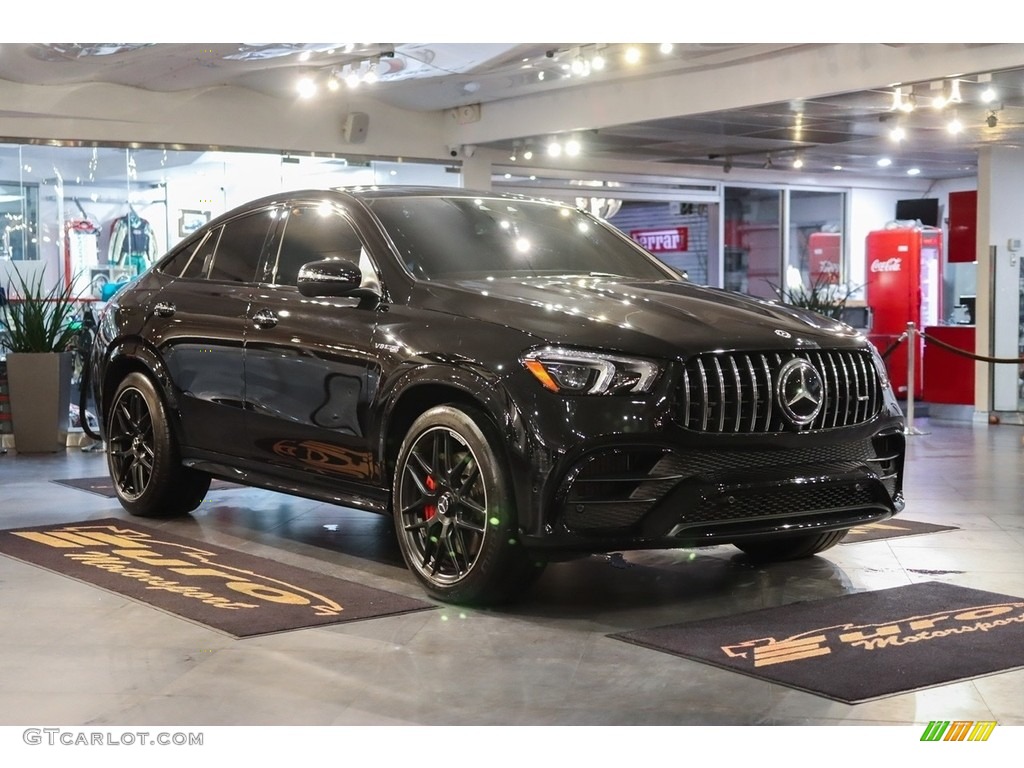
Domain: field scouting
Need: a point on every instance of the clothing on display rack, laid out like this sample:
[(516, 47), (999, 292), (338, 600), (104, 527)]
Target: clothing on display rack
[(81, 251), (132, 243)]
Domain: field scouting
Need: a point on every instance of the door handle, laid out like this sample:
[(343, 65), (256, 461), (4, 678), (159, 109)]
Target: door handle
[(264, 319), (164, 309)]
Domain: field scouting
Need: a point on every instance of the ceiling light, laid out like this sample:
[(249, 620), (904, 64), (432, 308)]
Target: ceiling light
[(332, 83), (665, 47), (897, 133), (989, 95), (798, 162), (837, 167), (884, 162), (768, 162), (306, 87), (992, 120), (572, 148), (554, 149), (371, 74), (913, 171), (528, 154), (954, 126), (597, 63), (540, 75), (632, 55)]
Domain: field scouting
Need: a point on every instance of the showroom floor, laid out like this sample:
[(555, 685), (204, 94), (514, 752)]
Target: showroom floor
[(73, 654)]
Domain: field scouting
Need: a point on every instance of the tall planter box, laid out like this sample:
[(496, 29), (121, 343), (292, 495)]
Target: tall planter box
[(40, 396)]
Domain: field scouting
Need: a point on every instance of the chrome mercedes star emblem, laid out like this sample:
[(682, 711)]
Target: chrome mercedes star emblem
[(799, 391)]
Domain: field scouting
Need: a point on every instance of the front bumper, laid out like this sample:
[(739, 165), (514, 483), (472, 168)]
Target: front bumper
[(637, 496)]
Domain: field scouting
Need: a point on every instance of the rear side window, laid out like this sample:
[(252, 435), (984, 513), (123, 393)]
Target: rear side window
[(203, 256), (177, 263), (240, 247)]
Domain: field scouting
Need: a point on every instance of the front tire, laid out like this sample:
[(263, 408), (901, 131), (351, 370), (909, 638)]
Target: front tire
[(143, 458), (790, 547), (454, 510)]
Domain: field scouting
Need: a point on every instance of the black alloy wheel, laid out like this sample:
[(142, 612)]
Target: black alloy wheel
[(454, 512), (142, 457)]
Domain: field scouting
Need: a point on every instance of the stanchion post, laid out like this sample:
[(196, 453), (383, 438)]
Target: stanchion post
[(911, 379)]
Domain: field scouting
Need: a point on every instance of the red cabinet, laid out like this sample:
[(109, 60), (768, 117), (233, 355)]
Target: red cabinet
[(963, 226), (949, 377)]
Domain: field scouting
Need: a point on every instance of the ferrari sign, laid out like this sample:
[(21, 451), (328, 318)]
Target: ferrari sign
[(662, 240)]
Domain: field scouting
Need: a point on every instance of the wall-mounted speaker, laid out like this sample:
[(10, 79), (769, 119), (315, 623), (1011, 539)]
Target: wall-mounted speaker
[(355, 127)]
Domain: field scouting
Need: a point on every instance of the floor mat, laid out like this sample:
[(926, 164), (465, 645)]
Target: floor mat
[(859, 647), (225, 589), (891, 529), (104, 486)]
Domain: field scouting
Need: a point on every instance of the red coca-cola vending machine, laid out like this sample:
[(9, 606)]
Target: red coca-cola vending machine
[(903, 285)]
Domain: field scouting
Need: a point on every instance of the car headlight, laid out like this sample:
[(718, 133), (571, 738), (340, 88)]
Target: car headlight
[(575, 372), (876, 357)]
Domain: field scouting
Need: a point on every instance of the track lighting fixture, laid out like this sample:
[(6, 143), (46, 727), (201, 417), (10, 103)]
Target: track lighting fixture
[(992, 120)]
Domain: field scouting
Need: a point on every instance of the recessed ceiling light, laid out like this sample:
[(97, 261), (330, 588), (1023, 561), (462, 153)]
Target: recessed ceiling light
[(913, 171), (884, 162), (837, 167)]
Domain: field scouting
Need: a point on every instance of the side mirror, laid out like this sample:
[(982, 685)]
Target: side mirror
[(333, 277)]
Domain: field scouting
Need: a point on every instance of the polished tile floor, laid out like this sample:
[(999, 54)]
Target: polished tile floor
[(72, 654)]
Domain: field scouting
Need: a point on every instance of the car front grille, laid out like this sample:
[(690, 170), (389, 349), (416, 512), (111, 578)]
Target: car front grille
[(736, 392)]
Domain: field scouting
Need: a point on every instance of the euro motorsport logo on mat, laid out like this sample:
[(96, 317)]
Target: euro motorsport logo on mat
[(161, 565), (225, 589), (767, 651)]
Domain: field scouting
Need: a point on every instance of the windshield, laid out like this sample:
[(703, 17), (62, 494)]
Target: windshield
[(455, 238)]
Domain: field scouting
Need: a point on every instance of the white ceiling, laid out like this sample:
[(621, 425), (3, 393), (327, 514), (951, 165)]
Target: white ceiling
[(848, 128)]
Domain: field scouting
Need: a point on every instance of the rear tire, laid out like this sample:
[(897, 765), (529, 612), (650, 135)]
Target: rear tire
[(143, 458), (790, 547), (454, 511)]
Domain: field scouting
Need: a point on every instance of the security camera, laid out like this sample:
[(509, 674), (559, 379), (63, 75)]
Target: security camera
[(454, 151), (461, 150)]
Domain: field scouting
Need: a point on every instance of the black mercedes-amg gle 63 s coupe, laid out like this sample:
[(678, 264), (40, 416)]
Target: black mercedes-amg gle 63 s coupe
[(513, 380)]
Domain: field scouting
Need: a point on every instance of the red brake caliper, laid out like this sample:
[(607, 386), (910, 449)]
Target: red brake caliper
[(430, 510)]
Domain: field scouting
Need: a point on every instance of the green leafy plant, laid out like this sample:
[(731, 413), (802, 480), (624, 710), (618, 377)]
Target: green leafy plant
[(822, 296), (36, 318)]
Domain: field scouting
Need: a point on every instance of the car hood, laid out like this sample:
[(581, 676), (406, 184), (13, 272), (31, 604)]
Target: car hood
[(650, 318)]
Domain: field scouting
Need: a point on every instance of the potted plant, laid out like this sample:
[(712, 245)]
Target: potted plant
[(37, 332), (823, 296)]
